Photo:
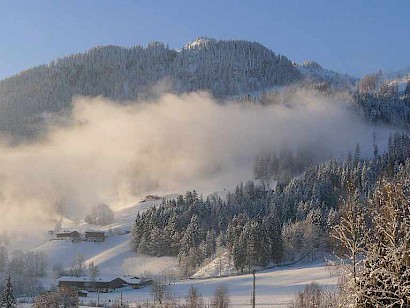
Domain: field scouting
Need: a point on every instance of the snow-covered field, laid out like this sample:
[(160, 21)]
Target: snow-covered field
[(221, 265), (274, 287), (114, 256)]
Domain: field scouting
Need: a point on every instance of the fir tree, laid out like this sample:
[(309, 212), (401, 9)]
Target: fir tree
[(8, 298)]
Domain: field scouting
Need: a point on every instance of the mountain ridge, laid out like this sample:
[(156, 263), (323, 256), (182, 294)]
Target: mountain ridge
[(225, 68)]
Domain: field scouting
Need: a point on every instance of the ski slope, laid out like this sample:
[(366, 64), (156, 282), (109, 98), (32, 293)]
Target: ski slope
[(114, 255)]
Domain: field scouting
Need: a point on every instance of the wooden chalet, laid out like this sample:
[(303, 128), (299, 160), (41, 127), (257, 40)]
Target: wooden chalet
[(73, 236), (94, 236)]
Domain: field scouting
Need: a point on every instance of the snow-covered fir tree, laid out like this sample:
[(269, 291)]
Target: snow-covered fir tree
[(8, 298)]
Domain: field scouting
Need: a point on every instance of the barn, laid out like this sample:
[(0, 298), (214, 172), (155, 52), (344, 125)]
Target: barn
[(101, 284), (94, 236), (73, 236)]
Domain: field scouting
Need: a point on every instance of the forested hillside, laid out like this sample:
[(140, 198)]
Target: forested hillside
[(222, 67), (387, 105), (260, 226), (230, 68), (314, 73)]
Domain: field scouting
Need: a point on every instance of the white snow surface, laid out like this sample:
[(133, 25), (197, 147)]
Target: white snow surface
[(274, 287), (114, 256), (221, 265)]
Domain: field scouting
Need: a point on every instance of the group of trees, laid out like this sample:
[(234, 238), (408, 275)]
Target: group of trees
[(26, 267), (287, 163), (78, 268), (260, 226), (374, 234), (381, 101), (315, 296), (162, 231), (162, 296), (384, 107), (28, 263), (100, 214), (371, 236), (369, 83), (63, 297)]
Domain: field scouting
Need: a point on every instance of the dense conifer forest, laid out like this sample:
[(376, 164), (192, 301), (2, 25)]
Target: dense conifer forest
[(260, 226)]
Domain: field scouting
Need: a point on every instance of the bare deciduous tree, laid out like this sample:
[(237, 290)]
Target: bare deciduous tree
[(101, 214), (194, 298), (368, 83), (78, 266), (314, 296), (221, 297), (64, 298), (159, 292)]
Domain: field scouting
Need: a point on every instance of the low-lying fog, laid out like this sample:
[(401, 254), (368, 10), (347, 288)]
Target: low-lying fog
[(105, 150)]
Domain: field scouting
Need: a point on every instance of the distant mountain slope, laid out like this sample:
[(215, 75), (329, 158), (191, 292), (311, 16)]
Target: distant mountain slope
[(314, 73), (111, 71), (396, 81), (405, 72), (229, 68)]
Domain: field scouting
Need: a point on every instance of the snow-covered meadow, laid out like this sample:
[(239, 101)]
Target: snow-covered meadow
[(274, 287)]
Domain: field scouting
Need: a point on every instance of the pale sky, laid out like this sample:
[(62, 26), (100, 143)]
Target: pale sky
[(354, 37)]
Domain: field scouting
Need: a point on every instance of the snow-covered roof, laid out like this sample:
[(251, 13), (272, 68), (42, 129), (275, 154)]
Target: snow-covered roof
[(68, 234), (103, 278), (94, 234)]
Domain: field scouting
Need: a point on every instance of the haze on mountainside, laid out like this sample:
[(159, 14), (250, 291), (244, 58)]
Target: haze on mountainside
[(110, 151)]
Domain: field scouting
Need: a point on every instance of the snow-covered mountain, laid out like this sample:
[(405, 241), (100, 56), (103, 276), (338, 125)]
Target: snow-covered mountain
[(230, 67), (224, 68), (314, 73)]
